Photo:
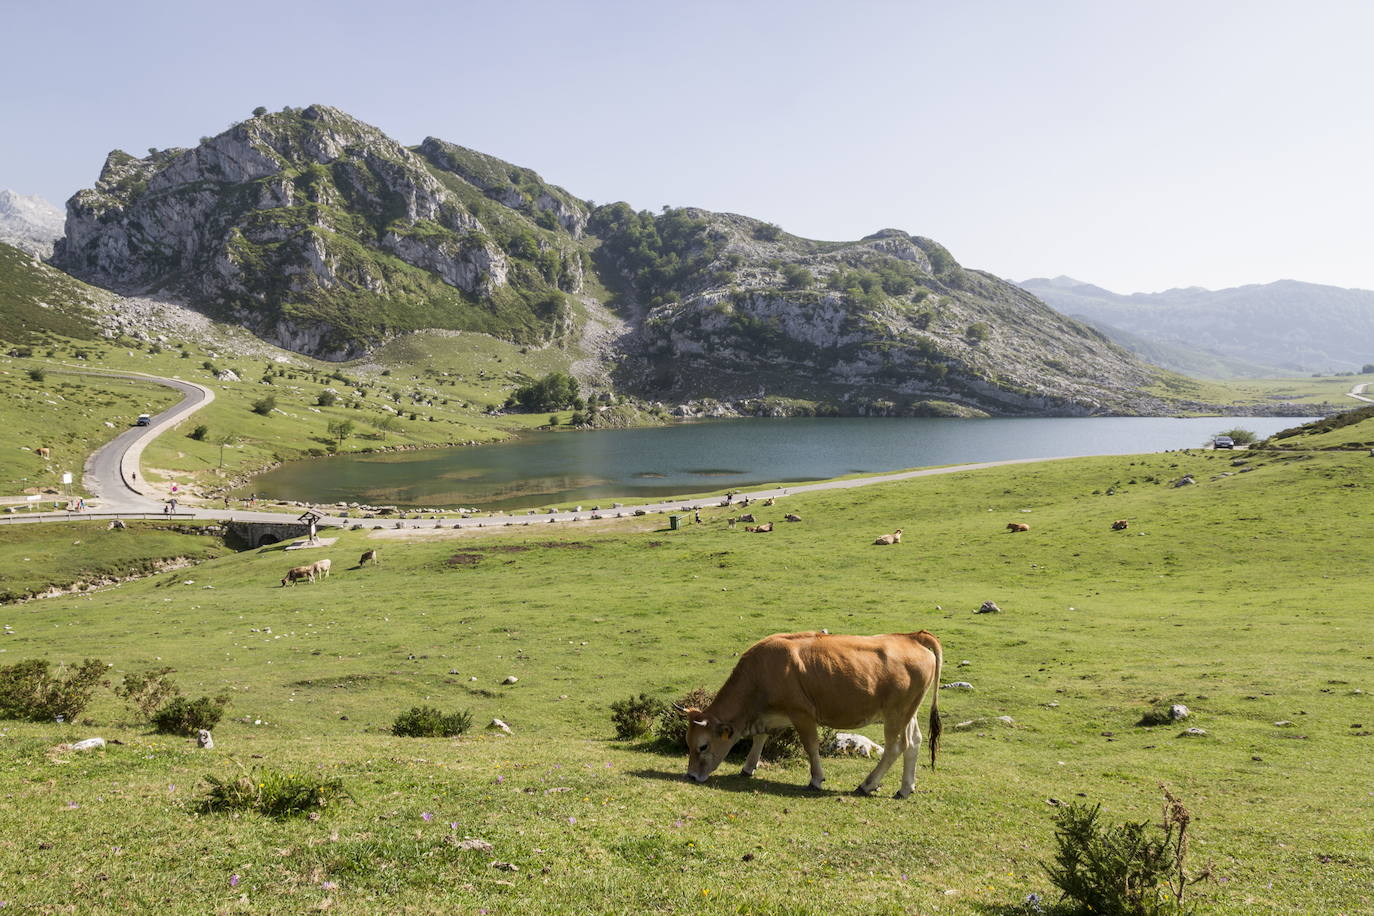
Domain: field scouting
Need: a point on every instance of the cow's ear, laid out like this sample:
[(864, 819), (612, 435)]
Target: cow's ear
[(725, 731)]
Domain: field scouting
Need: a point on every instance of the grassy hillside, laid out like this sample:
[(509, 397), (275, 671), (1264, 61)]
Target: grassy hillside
[(1203, 600), (38, 302), (453, 379), (35, 558), (69, 414)]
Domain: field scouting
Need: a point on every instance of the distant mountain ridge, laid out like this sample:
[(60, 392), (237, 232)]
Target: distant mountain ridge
[(29, 223), (1284, 327), (321, 234)]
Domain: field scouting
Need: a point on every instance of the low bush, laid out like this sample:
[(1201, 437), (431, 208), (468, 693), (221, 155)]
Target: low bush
[(148, 690), (199, 433), (265, 406), (185, 717), (635, 717), (32, 690), (270, 793), (428, 722), (37, 375), (1132, 869)]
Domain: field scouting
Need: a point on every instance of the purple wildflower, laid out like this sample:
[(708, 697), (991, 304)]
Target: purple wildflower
[(427, 816), (233, 880)]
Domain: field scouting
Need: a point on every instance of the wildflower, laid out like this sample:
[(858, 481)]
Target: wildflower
[(330, 886), (500, 779), (452, 825), (572, 820), (427, 816), (233, 880)]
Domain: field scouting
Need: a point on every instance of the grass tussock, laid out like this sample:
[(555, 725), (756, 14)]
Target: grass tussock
[(269, 793)]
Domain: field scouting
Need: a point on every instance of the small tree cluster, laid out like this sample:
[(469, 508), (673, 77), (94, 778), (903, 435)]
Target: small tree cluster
[(555, 391), (32, 690), (265, 406)]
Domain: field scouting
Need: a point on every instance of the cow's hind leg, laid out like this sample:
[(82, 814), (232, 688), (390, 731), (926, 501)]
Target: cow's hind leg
[(894, 735), (910, 752), (752, 762), (812, 742)]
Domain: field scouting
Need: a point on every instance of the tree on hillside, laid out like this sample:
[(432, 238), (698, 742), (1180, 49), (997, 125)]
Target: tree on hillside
[(555, 391), (1238, 436), (794, 276), (1368, 369), (340, 430)]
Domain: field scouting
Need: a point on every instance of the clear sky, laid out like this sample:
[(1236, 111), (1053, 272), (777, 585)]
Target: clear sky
[(1138, 146)]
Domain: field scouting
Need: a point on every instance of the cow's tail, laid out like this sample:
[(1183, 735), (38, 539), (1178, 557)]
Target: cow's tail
[(928, 640)]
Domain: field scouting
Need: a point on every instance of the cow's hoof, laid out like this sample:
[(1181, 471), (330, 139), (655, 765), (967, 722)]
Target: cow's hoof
[(902, 793), (814, 788), (865, 793), (746, 773)]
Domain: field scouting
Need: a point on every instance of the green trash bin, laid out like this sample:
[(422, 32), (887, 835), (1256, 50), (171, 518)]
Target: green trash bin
[(674, 521)]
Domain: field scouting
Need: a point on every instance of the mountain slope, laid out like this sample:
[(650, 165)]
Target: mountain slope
[(323, 235), (29, 223), (1286, 326)]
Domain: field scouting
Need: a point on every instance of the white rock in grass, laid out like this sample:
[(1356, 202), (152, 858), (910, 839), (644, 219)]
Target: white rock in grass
[(510, 680), (496, 725), (473, 843), (1178, 712), (1193, 733), (205, 739), (957, 685), (89, 744)]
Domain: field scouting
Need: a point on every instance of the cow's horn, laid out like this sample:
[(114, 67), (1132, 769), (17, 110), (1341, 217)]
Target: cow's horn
[(701, 722), (679, 708)]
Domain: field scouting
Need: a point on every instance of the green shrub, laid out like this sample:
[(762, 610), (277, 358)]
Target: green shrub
[(199, 433), (326, 399), (635, 717), (37, 374), (1239, 436), (265, 406), (269, 793), (31, 690), (428, 722), (1132, 869), (185, 717), (148, 690)]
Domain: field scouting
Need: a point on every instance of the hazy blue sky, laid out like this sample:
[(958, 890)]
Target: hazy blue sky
[(1136, 145)]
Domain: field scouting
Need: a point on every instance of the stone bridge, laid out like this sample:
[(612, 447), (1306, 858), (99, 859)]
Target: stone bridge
[(260, 534)]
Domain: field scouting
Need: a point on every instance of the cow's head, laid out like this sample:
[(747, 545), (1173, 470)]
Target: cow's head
[(708, 741)]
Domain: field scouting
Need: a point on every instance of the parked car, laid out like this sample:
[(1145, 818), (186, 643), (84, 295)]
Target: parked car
[(1223, 442), (143, 419)]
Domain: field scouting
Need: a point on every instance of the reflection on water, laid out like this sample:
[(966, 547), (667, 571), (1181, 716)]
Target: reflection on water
[(548, 468)]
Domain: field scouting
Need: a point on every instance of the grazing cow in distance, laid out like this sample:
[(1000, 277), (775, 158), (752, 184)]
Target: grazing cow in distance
[(791, 517), (893, 538), (321, 568), (1120, 525), (43, 452), (370, 556), (299, 572), (1018, 526), (748, 517), (808, 680)]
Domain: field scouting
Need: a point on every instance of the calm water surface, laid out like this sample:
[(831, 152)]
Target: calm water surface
[(544, 469)]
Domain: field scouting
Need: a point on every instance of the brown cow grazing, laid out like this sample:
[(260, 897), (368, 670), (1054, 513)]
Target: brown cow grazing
[(299, 572), (370, 556), (1018, 526), (893, 538), (43, 452), (321, 568), (1120, 525), (792, 518), (814, 679)]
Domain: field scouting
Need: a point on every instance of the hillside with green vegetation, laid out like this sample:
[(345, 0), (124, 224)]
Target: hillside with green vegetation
[(38, 302), (1202, 600), (326, 237)]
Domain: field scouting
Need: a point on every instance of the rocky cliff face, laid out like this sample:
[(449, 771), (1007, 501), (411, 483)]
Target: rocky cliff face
[(325, 236), (314, 229), (29, 223)]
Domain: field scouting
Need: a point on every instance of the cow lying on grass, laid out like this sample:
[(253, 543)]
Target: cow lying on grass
[(808, 680), (893, 538), (1018, 526)]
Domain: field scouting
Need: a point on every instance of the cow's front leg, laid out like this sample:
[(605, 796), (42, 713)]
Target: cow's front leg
[(811, 741), (752, 762)]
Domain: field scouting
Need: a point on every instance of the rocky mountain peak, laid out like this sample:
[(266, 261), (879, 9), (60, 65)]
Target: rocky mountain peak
[(29, 223)]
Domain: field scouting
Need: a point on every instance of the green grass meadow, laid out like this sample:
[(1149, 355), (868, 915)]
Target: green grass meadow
[(1245, 597)]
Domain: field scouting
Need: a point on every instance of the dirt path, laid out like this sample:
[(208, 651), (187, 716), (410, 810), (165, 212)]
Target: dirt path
[(1358, 393)]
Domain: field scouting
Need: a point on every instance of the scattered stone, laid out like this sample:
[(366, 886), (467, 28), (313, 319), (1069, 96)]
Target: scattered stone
[(89, 744), (205, 739), (117, 525), (965, 663), (845, 744), (1284, 723), (1178, 712), (474, 843), (957, 685), (511, 679), (1193, 733), (1184, 481), (453, 671), (989, 607), (505, 866), (496, 725), (1006, 720)]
